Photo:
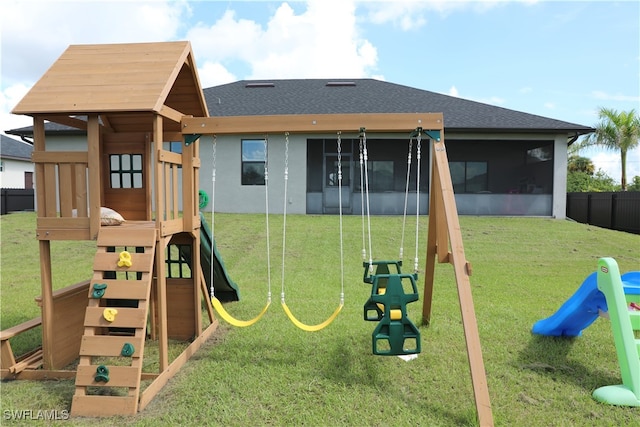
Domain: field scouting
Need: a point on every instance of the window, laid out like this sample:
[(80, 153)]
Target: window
[(332, 171), (175, 147), (254, 157), (125, 170), (1, 166), (469, 177), (380, 173), (540, 154), (177, 261)]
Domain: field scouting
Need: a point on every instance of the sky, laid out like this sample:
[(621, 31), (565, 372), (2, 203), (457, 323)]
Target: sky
[(558, 59)]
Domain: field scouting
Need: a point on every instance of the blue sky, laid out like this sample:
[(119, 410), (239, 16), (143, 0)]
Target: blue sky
[(556, 59)]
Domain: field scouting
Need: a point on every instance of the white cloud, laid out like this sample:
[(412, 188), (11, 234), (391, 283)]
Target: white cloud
[(411, 14), (407, 15), (35, 33), (549, 105), (598, 94), (609, 162), (322, 41), (214, 74), (9, 98), (525, 90), (493, 100)]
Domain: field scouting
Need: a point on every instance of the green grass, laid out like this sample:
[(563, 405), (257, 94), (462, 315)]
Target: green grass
[(274, 374)]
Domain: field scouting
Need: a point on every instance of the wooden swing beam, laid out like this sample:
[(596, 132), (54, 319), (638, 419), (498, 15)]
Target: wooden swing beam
[(444, 227), (310, 123)]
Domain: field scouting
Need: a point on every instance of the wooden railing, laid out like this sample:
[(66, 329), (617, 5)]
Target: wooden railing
[(62, 189), (168, 210), (173, 216)]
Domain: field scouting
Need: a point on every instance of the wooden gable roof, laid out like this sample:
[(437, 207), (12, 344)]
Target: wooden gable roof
[(126, 84)]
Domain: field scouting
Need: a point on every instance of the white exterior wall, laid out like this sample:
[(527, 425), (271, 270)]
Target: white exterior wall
[(559, 209), (12, 175), (233, 197)]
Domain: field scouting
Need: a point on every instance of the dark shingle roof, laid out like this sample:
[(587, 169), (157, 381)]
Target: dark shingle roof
[(316, 96), (13, 149)]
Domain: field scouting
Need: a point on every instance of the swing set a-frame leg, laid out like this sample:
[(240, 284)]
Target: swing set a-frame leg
[(444, 243)]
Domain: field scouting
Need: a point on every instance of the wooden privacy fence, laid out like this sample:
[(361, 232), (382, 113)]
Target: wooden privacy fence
[(16, 200), (613, 210)]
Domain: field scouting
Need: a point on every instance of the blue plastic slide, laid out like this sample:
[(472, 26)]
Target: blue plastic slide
[(583, 308), (578, 312)]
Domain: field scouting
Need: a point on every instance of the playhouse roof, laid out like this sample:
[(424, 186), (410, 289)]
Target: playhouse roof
[(116, 80)]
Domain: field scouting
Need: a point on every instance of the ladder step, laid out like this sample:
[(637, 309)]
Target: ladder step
[(108, 261), (103, 406), (124, 318), (100, 345), (127, 236), (122, 289), (119, 376)]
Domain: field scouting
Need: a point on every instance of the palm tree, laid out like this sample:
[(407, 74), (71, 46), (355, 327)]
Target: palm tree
[(617, 131)]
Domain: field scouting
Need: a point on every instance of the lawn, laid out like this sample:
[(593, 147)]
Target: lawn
[(275, 374)]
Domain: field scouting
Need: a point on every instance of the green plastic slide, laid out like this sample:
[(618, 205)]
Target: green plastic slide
[(225, 289)]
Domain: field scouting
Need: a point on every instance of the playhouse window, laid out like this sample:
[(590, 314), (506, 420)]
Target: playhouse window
[(469, 177), (177, 261), (125, 170), (254, 158)]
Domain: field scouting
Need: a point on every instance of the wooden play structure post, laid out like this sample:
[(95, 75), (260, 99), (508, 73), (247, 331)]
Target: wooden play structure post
[(444, 244)]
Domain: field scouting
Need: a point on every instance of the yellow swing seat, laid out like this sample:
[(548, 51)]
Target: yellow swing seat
[(311, 328), (232, 320)]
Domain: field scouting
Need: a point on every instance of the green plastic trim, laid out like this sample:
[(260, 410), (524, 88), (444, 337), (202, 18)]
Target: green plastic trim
[(190, 139), (203, 199), (102, 374), (98, 290), (127, 350)]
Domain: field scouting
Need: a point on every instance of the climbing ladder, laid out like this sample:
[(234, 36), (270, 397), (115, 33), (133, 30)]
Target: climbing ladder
[(111, 353)]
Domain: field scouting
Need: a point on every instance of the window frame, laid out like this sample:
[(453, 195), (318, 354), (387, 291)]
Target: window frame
[(249, 160)]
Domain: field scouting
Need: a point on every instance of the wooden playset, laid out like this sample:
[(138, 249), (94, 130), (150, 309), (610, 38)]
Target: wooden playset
[(132, 100)]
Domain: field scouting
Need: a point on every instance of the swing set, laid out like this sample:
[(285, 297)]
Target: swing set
[(113, 317), (391, 291)]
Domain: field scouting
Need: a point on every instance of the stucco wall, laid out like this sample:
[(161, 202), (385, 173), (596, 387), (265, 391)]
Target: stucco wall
[(12, 175), (232, 197)]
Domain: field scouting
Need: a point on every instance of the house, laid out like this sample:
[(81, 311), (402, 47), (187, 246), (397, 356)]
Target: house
[(502, 162), (16, 169)]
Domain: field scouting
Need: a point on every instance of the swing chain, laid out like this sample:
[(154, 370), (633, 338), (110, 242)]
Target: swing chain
[(266, 159), (286, 156), (339, 160), (418, 157), (364, 159), (213, 201), (339, 148)]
